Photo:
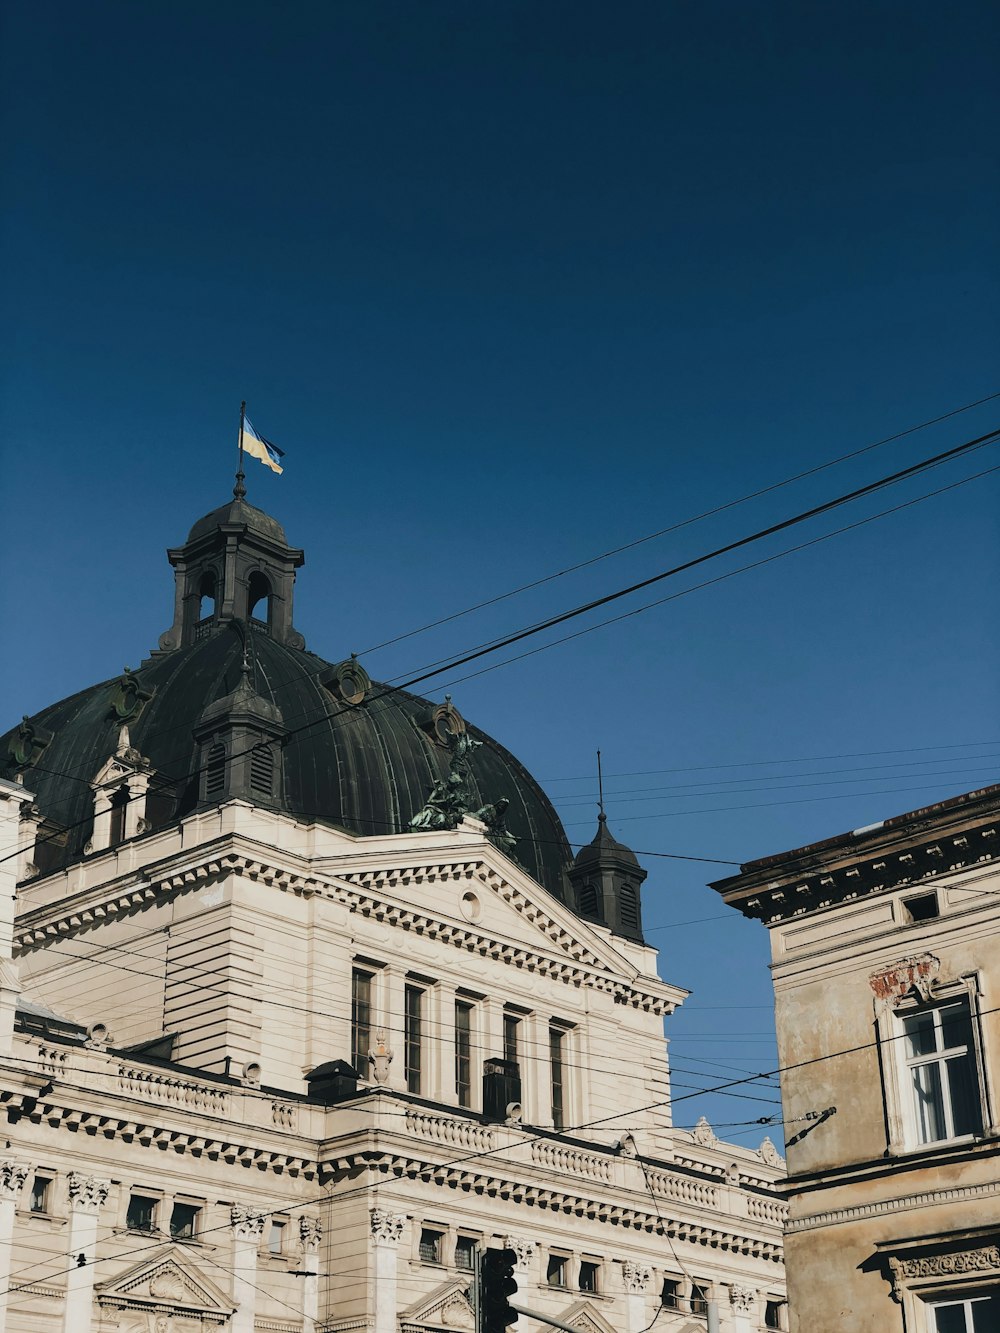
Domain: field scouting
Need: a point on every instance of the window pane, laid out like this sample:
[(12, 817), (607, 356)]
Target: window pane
[(510, 1026), (465, 1253), (986, 1315), (919, 1029), (950, 1319), (964, 1088), (463, 1053), (928, 1103), (556, 1040), (361, 1020), (956, 1026), (413, 1037)]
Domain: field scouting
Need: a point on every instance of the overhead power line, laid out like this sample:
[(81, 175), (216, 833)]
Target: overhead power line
[(683, 523), (915, 469)]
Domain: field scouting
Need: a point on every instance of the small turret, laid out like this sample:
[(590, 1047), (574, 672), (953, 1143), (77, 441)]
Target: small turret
[(606, 877)]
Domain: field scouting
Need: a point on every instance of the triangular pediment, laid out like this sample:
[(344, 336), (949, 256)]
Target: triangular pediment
[(169, 1281), (583, 1316), (447, 1307), (498, 900)]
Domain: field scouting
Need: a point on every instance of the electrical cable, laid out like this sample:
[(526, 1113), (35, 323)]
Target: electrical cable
[(934, 461)]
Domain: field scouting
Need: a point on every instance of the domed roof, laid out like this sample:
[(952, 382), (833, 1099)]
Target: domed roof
[(238, 511), (605, 846), (367, 768)]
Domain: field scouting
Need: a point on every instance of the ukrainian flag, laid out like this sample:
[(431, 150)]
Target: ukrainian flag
[(257, 447)]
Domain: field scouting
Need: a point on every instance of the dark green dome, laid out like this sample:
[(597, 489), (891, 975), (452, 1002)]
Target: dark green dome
[(367, 769), (342, 750)]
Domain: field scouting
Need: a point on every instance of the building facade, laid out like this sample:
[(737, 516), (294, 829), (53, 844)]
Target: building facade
[(304, 998), (887, 990)]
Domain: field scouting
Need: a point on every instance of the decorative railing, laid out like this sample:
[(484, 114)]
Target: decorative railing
[(455, 1133), (52, 1059), (177, 1091), (766, 1210), (284, 1114), (560, 1157), (683, 1189)]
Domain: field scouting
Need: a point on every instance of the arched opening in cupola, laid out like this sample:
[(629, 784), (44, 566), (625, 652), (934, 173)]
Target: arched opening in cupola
[(206, 596), (259, 590)]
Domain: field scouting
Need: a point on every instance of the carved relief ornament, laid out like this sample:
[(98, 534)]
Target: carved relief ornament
[(310, 1233), (743, 1299), (12, 1177), (387, 1227), (637, 1276), (524, 1249), (943, 1265), (246, 1221), (87, 1193), (703, 1133), (891, 985)]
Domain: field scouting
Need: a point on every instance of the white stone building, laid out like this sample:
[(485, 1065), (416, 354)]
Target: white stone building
[(239, 878)]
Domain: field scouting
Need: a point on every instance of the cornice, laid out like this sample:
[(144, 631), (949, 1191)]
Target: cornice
[(774, 894), (399, 1166), (884, 1207), (358, 891)]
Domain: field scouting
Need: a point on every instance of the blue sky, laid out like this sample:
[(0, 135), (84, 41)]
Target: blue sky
[(514, 284)]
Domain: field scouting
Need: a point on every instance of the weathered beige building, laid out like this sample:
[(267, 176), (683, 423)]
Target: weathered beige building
[(887, 990), (304, 998)]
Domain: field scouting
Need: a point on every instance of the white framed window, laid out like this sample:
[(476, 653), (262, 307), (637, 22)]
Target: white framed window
[(975, 1313), (939, 1051), (934, 1077)]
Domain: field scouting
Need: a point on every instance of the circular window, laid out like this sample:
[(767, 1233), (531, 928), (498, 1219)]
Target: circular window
[(472, 908)]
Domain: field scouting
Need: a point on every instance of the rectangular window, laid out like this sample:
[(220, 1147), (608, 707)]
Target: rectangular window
[(276, 1238), (670, 1293), (184, 1221), (589, 1276), (141, 1214), (38, 1200), (557, 1043), (463, 1052), (974, 1314), (942, 1072), (430, 1246), (555, 1272), (465, 1253), (361, 1020), (511, 1026), (413, 1037), (699, 1298), (774, 1314)]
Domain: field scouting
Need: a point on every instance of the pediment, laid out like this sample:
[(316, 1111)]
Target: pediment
[(167, 1282), (583, 1316), (447, 1307), (492, 899)]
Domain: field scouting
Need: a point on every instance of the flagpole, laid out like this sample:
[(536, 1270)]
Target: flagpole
[(239, 490)]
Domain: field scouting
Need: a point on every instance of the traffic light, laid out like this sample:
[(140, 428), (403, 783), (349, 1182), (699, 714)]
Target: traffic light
[(497, 1284)]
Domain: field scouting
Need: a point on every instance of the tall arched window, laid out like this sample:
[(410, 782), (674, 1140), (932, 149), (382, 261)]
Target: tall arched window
[(259, 590)]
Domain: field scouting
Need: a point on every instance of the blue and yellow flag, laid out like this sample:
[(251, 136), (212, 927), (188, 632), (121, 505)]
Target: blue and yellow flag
[(257, 447)]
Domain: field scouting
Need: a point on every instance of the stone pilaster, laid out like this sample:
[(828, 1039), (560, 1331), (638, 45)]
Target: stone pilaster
[(636, 1278), (87, 1196), (310, 1235), (12, 1177), (387, 1228), (248, 1228)]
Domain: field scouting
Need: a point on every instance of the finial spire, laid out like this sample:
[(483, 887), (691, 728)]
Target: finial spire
[(600, 789), (240, 489)]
